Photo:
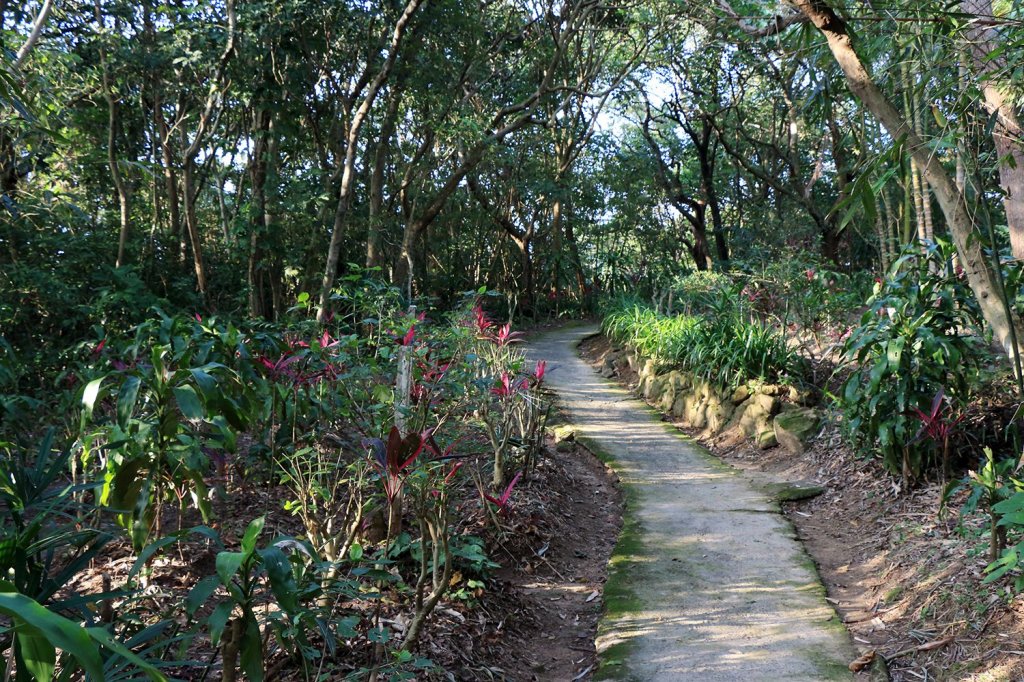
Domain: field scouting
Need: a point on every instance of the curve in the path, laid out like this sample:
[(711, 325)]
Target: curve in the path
[(708, 581)]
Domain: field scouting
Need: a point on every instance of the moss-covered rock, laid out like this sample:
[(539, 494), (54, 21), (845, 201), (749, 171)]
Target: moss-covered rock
[(794, 427), (682, 381), (718, 411), (754, 416), (766, 439), (564, 432), (740, 394), (654, 387), (669, 389), (803, 397), (679, 405)]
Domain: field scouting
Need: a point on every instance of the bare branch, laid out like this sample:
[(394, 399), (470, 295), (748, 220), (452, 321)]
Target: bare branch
[(33, 36), (775, 25)]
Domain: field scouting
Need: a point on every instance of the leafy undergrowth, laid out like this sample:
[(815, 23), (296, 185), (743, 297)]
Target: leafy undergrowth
[(371, 500), (553, 550), (907, 581)]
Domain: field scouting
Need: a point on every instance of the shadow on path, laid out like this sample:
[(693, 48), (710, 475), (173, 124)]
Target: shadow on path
[(707, 581)]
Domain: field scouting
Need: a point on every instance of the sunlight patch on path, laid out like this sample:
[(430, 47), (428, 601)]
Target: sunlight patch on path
[(708, 581)]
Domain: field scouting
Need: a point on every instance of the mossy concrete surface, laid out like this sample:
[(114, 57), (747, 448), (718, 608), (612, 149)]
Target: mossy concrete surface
[(707, 581)]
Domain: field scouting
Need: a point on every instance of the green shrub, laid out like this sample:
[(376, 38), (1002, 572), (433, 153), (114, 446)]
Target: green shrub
[(914, 340), (725, 349), (706, 290), (810, 294)]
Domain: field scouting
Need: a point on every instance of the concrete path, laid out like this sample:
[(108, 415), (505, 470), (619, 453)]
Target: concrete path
[(707, 581)]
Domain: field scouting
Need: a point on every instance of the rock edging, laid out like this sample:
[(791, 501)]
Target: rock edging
[(768, 414)]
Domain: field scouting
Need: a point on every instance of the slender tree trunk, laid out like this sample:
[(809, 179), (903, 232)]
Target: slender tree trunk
[(119, 183), (926, 222), (577, 262), (34, 33), (380, 159), (405, 268), (351, 143), (980, 276), (888, 246), (1007, 133), (113, 123), (192, 148), (192, 226), (222, 206), (529, 301), (170, 178), (706, 156), (260, 222), (916, 184)]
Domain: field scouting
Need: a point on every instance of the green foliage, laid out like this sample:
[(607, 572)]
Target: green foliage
[(44, 546), (917, 338), (997, 491), (704, 290), (1010, 515), (43, 543), (165, 412), (726, 349), (245, 575), (800, 290)]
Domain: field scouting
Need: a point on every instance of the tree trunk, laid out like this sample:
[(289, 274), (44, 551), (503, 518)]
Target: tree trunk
[(706, 154), (170, 179), (348, 172), (113, 121), (380, 159), (406, 266), (917, 186), (980, 276), (264, 150), (192, 226), (1007, 133), (698, 246), (115, 172)]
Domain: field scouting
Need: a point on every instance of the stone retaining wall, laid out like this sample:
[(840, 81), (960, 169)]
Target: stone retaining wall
[(768, 414)]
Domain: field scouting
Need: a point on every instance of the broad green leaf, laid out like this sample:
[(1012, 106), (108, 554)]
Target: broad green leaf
[(282, 581), (58, 631), (251, 654), (1015, 503), (1003, 565), (218, 620), (252, 533), (206, 382), (37, 654), (877, 372), (200, 593), (228, 564), (126, 399), (188, 402), (89, 397)]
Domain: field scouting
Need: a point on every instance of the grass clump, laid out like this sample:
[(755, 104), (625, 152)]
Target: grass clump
[(727, 349)]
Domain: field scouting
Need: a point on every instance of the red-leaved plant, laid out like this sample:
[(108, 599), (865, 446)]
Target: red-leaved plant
[(938, 426), (502, 502), (392, 460)]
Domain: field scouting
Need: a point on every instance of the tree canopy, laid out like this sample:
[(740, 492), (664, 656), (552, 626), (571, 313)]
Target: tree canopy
[(232, 156)]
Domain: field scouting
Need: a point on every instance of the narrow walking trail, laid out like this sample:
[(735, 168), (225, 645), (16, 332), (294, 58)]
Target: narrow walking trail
[(707, 581)]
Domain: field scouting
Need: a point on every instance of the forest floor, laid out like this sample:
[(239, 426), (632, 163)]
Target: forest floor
[(906, 582)]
